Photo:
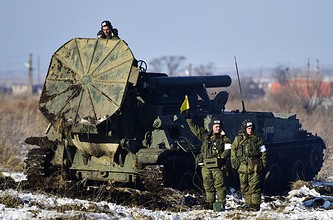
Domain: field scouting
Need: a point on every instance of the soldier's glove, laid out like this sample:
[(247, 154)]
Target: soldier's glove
[(222, 162), (187, 113)]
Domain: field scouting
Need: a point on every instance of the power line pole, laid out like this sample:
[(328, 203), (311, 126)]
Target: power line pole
[(30, 92), (317, 67), (38, 72)]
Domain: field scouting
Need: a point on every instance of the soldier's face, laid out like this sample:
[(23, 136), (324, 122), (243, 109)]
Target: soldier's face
[(106, 30), (216, 128), (249, 130)]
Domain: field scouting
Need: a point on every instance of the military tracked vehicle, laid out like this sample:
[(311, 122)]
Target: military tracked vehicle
[(111, 120)]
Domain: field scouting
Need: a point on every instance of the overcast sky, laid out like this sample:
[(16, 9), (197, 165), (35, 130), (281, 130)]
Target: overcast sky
[(259, 32)]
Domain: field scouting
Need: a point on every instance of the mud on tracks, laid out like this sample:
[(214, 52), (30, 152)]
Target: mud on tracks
[(166, 199)]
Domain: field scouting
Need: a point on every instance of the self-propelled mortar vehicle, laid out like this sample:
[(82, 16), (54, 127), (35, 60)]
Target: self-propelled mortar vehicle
[(112, 121)]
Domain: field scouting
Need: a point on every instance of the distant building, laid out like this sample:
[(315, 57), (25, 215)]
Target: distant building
[(24, 89), (252, 89), (305, 86), (5, 89), (19, 89), (37, 89)]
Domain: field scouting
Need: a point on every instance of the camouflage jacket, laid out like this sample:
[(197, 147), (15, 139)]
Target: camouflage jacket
[(114, 35), (213, 146), (248, 153)]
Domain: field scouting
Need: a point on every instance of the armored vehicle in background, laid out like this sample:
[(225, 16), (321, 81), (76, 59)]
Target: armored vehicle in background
[(111, 120), (292, 153)]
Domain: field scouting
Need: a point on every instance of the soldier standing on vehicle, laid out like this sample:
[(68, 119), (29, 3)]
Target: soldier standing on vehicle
[(248, 158), (215, 151), (107, 31)]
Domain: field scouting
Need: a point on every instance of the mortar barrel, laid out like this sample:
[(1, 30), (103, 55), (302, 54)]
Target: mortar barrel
[(189, 81)]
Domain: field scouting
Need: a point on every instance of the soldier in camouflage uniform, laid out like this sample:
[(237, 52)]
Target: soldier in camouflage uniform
[(107, 31), (214, 145), (248, 158)]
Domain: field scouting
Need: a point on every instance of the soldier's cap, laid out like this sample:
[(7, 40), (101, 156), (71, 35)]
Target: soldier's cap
[(249, 124), (216, 121), (106, 23)]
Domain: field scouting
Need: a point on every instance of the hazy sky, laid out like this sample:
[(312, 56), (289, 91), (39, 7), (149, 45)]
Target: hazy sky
[(258, 32)]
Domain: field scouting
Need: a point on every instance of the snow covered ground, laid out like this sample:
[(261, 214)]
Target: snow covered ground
[(303, 203)]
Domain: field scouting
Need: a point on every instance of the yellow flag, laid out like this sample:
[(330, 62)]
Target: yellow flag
[(185, 105)]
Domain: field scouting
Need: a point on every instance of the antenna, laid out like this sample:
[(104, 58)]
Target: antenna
[(239, 84)]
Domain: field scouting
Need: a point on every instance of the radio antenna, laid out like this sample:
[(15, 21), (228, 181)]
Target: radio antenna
[(239, 84)]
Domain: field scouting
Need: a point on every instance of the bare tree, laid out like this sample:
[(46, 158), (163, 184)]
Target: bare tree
[(281, 74), (157, 65), (170, 63), (305, 90), (204, 70), (173, 63), (315, 96)]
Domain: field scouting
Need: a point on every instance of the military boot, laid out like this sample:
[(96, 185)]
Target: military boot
[(208, 205), (245, 207), (255, 207), (218, 207)]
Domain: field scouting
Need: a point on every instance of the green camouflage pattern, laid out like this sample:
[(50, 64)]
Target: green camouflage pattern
[(249, 161), (213, 146), (214, 184)]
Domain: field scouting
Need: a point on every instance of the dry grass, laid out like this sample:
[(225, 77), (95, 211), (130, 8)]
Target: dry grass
[(299, 184), (10, 156), (19, 119), (10, 201)]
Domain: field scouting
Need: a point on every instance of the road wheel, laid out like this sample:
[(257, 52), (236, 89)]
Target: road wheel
[(272, 181), (315, 162), (298, 171)]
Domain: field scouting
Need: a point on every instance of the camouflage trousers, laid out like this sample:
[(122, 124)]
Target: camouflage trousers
[(214, 184), (250, 188)]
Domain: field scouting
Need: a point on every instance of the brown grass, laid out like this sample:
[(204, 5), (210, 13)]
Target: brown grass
[(10, 156), (10, 201), (19, 119), (299, 184)]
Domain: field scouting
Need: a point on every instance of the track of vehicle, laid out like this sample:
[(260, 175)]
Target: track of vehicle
[(300, 159), (173, 169), (42, 176), (291, 161)]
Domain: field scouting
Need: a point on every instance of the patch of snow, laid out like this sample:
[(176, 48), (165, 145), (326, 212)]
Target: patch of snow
[(303, 203), (17, 177), (303, 191)]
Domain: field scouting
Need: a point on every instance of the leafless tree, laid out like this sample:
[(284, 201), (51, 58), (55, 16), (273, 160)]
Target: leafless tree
[(304, 89), (281, 74), (170, 63), (314, 89), (204, 70), (173, 63), (157, 65)]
